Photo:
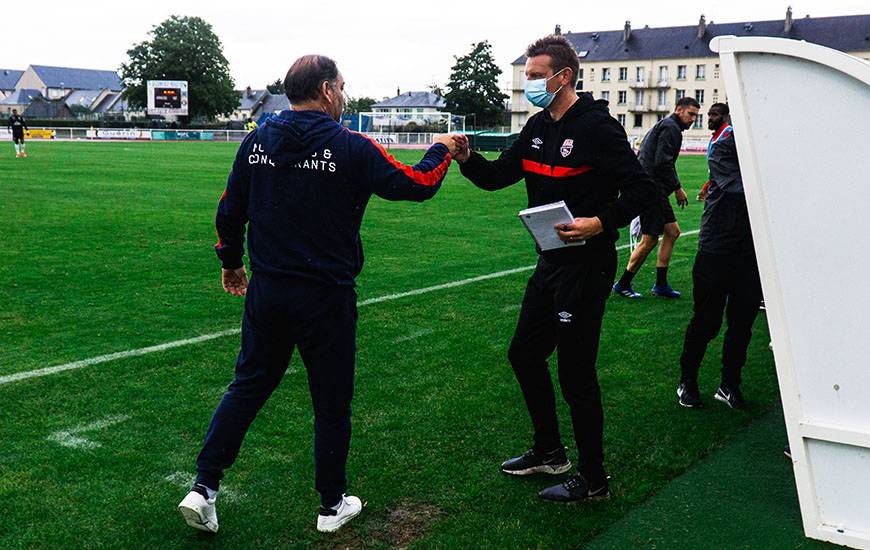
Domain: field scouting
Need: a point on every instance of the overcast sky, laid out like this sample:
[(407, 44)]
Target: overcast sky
[(379, 46)]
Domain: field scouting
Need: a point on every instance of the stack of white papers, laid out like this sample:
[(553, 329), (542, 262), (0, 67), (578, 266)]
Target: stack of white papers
[(541, 221)]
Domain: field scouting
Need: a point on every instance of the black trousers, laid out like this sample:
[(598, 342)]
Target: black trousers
[(722, 284), (562, 310), (281, 314)]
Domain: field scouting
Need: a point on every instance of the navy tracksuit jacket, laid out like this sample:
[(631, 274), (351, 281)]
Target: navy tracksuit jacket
[(301, 184)]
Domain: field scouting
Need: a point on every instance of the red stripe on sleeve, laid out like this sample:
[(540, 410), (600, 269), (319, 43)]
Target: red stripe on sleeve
[(422, 178), (554, 171), (219, 243)]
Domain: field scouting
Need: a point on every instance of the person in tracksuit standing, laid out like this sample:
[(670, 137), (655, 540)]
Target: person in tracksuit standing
[(725, 274), (658, 156), (301, 183), (576, 152), (18, 125)]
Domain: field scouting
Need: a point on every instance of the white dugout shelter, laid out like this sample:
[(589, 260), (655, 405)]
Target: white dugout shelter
[(806, 168)]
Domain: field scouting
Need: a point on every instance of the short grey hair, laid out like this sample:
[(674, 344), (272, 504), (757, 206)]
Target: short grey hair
[(305, 76)]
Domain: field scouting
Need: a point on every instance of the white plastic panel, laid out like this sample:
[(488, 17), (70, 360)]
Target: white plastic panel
[(798, 112)]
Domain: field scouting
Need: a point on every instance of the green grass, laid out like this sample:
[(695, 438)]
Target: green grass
[(108, 247)]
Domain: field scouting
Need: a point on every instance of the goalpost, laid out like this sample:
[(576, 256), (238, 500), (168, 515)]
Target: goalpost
[(408, 128)]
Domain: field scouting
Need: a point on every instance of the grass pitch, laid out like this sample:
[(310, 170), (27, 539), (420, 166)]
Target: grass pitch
[(108, 247)]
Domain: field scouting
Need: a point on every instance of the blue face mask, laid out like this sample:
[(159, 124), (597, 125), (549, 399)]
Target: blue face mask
[(537, 94)]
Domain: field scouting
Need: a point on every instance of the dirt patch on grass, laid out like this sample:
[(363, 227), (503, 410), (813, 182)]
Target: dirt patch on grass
[(408, 522), (396, 527)]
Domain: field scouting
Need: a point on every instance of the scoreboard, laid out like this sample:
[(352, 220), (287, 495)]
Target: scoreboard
[(167, 97)]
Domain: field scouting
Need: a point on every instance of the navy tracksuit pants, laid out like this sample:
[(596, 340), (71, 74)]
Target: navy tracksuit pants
[(282, 314)]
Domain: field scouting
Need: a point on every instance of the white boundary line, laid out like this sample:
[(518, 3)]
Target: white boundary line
[(70, 438), (18, 376)]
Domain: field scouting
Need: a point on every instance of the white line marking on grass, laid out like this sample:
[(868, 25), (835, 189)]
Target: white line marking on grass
[(511, 307), (68, 438), (112, 356), (9, 378), (413, 335), (181, 479)]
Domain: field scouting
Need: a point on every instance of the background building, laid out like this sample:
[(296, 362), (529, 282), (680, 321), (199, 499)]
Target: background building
[(256, 103), (643, 72), (8, 79)]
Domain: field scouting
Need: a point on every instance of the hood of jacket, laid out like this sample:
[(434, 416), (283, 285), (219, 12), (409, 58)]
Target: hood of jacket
[(292, 136)]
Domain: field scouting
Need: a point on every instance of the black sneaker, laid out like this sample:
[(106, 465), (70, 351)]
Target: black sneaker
[(787, 452), (576, 489), (689, 395), (730, 396), (533, 462)]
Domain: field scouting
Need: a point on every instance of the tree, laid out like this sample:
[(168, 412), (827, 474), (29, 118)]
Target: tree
[(276, 87), (182, 48), (356, 105), (473, 86), (436, 89)]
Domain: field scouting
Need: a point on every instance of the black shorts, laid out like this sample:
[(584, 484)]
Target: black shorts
[(653, 221), (17, 138)]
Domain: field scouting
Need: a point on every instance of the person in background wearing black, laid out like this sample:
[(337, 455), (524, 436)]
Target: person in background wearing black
[(658, 155), (575, 151), (725, 273), (17, 124)]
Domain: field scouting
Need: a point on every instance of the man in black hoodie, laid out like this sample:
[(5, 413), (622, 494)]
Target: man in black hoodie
[(658, 156), (576, 152), (301, 183)]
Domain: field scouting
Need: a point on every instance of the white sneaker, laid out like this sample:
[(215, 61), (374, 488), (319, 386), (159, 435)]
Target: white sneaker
[(199, 512), (349, 508)]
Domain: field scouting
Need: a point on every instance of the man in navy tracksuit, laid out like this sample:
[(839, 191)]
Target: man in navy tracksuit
[(574, 151), (301, 183)]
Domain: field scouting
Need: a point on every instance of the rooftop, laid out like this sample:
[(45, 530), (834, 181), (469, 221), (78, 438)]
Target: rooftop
[(413, 99), (845, 33), (8, 78), (78, 79)]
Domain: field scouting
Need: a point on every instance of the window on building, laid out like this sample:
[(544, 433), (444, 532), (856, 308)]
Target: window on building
[(605, 74), (699, 95), (700, 72), (640, 74), (623, 74), (592, 74), (579, 80), (663, 98), (621, 119), (622, 98), (681, 72), (605, 95), (663, 73), (419, 110), (699, 122), (680, 95), (638, 97), (638, 121)]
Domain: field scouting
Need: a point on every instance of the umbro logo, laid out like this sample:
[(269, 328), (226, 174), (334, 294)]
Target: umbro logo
[(536, 143), (565, 317)]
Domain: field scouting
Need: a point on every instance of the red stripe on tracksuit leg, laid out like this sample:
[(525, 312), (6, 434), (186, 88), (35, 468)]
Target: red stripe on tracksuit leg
[(553, 171)]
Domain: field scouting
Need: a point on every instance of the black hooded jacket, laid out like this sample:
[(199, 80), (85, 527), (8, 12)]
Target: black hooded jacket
[(584, 159)]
